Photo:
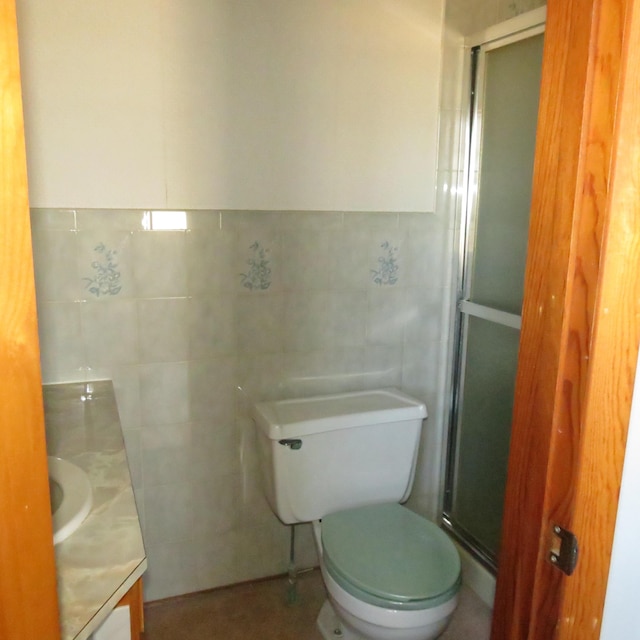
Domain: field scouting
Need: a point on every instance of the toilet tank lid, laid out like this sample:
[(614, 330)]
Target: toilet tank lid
[(305, 416)]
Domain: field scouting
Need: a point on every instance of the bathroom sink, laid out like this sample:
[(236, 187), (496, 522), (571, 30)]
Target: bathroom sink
[(70, 495)]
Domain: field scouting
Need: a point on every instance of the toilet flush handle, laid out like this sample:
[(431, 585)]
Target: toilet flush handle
[(292, 443)]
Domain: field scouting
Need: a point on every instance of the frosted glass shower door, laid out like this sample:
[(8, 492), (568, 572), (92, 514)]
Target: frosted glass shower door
[(503, 136)]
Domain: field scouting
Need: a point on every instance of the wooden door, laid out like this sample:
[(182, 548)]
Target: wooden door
[(28, 599), (581, 323)]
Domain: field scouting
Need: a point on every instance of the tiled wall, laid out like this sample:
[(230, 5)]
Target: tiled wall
[(192, 325), (470, 16)]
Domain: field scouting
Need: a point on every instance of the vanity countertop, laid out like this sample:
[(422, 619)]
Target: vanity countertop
[(102, 559)]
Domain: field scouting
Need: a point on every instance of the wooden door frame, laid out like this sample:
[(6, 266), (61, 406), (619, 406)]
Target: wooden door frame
[(28, 596), (580, 330)]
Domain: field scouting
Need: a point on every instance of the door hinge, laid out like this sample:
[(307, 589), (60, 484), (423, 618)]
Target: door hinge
[(564, 550)]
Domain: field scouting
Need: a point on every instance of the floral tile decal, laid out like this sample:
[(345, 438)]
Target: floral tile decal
[(258, 276), (106, 279), (387, 273)]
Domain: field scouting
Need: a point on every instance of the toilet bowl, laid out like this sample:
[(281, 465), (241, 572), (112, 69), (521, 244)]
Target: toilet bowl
[(344, 462), (389, 574), (357, 620)]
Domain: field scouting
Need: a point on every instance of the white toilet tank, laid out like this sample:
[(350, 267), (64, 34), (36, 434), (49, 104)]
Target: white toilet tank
[(329, 453)]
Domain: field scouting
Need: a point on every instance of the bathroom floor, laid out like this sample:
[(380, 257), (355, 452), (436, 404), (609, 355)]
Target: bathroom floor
[(260, 610)]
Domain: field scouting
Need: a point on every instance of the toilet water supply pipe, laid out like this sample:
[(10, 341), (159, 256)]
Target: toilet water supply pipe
[(292, 588), (293, 572)]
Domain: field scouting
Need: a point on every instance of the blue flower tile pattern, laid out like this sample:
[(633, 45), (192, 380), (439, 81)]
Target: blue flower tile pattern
[(387, 273), (258, 276), (106, 279)]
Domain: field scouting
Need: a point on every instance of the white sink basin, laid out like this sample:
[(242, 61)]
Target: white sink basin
[(71, 498)]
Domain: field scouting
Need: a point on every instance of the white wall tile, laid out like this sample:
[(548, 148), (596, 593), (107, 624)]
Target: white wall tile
[(172, 569), (305, 259), (470, 16), (449, 142), (346, 324), (309, 373), (260, 376), (312, 221), (421, 370), (387, 316), (216, 451), (261, 550), (162, 466), (453, 83), (248, 223), (511, 8), (306, 320), (55, 264), (61, 346), (168, 511), (53, 219), (215, 559), (425, 257), (422, 307), (134, 457), (163, 330), (215, 505), (211, 326), (160, 268), (382, 366), (259, 323), (373, 220), (212, 385), (210, 260), (126, 384), (427, 488), (164, 393), (110, 332), (110, 219), (348, 264), (166, 436)]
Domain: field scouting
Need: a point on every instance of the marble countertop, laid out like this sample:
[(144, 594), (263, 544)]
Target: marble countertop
[(102, 559)]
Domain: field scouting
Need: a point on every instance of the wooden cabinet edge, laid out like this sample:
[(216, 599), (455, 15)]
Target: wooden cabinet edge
[(133, 599)]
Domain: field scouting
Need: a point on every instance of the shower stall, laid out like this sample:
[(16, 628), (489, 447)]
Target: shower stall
[(504, 94)]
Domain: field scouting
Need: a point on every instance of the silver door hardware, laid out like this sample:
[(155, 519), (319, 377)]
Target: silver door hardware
[(564, 550)]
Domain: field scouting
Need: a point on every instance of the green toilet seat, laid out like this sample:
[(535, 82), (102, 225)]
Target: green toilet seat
[(390, 557)]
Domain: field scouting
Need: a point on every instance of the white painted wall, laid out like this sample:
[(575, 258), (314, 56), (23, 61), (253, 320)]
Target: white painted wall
[(231, 104), (621, 612)]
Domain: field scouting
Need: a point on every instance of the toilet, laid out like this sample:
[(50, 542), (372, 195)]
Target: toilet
[(345, 463)]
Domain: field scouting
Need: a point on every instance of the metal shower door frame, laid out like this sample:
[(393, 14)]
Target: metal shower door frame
[(521, 28)]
